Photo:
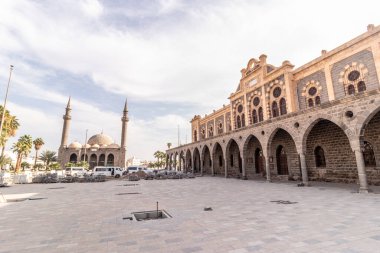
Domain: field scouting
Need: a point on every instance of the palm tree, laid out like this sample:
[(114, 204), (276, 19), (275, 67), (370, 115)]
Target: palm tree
[(4, 160), (48, 156), (38, 143), (10, 127), (22, 147), (169, 145)]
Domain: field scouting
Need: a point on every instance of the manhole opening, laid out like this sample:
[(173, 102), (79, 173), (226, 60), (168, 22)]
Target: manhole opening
[(127, 193), (285, 202), (53, 188), (151, 215)]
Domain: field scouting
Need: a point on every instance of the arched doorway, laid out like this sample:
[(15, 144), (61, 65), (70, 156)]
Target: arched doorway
[(283, 156), (102, 160), (93, 161), (371, 148), (110, 160), (329, 156), (218, 160), (188, 164), (73, 158), (234, 162), (207, 164), (259, 162), (253, 155), (197, 161), (282, 161), (175, 162)]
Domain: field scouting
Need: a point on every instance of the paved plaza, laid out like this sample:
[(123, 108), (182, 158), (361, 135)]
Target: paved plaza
[(88, 217)]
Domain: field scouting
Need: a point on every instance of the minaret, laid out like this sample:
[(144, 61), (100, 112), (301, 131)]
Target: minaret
[(66, 125), (124, 125)]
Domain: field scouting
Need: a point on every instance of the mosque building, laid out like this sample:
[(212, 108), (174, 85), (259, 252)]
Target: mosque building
[(100, 149)]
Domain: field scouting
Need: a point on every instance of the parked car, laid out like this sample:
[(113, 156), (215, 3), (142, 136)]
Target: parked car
[(108, 171), (75, 171)]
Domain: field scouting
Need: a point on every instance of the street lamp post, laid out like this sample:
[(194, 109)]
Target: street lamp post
[(5, 101)]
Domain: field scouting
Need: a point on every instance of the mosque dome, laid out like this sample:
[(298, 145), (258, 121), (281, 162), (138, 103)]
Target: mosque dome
[(95, 146), (113, 145), (100, 139), (75, 144), (103, 145), (87, 146)]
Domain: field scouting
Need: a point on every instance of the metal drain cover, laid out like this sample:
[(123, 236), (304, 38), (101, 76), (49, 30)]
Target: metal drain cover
[(285, 202)]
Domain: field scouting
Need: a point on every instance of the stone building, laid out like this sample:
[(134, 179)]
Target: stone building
[(100, 149), (320, 121)]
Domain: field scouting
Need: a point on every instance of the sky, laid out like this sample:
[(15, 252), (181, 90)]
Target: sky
[(172, 59)]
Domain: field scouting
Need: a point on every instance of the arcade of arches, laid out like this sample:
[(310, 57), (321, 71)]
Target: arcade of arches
[(328, 153)]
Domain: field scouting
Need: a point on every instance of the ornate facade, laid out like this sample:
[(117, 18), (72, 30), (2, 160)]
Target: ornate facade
[(320, 121), (100, 149)]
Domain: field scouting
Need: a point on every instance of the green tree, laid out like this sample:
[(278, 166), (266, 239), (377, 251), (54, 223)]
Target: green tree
[(38, 166), (22, 147), (48, 156), (10, 127), (83, 164), (54, 166), (4, 160), (70, 164), (38, 143), (25, 165), (161, 158)]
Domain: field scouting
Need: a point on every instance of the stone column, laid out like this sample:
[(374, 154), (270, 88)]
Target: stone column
[(244, 174), (201, 165), (361, 171), (225, 167), (305, 177), (267, 168)]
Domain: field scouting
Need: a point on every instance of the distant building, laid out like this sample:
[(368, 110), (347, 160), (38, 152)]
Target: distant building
[(100, 149), (133, 161)]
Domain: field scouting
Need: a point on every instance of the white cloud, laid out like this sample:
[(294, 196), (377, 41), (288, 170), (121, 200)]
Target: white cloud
[(171, 50)]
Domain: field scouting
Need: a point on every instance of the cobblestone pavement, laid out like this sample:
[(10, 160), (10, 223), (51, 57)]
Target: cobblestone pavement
[(88, 217)]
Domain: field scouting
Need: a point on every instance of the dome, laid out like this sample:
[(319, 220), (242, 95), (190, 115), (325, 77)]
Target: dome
[(100, 139), (114, 145), (95, 146), (87, 146), (75, 144)]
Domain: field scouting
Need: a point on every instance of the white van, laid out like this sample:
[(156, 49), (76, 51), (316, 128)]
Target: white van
[(133, 169), (108, 171), (75, 171)]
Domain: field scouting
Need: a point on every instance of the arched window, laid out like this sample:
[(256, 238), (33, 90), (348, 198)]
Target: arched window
[(361, 86), (310, 102), (369, 155), (351, 89), (210, 132), (243, 120), (261, 116), (254, 116), (283, 106), (317, 100), (319, 155), (238, 122), (195, 135), (232, 160), (102, 160), (110, 160), (73, 158), (274, 109)]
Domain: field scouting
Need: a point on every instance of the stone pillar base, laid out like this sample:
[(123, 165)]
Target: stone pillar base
[(363, 190)]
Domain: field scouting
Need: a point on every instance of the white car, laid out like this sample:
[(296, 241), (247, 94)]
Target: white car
[(108, 171), (75, 171)]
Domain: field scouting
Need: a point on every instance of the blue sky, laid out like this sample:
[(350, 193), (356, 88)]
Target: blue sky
[(172, 59)]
